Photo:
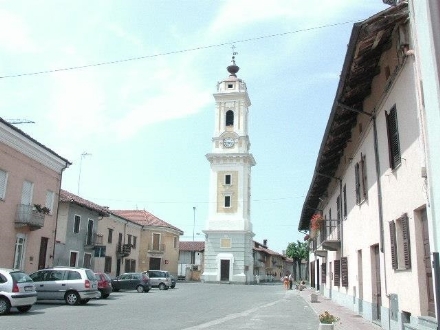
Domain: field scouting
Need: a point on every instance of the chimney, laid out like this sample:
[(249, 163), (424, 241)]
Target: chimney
[(265, 242)]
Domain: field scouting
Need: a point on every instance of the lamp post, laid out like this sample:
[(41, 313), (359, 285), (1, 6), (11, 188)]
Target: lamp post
[(84, 154), (194, 223)]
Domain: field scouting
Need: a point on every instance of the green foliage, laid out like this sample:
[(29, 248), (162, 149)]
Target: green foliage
[(298, 251)]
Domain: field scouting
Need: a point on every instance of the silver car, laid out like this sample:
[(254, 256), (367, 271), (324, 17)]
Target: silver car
[(16, 290), (71, 284), (159, 279)]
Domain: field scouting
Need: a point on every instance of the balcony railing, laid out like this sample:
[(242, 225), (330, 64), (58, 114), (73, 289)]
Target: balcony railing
[(123, 250), (329, 237), (27, 216), (156, 248), (94, 239)]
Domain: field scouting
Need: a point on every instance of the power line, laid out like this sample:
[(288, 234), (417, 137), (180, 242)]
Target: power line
[(172, 52)]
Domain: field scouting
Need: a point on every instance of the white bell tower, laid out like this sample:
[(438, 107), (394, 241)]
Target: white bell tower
[(229, 237)]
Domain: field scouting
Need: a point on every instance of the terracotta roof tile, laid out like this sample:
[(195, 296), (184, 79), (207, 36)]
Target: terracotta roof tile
[(68, 197), (191, 246), (145, 218)]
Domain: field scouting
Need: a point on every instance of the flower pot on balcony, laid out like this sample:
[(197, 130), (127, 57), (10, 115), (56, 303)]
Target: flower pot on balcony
[(313, 233), (324, 326)]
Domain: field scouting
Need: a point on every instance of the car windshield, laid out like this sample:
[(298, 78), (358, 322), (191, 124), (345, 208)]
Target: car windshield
[(21, 277), (91, 275)]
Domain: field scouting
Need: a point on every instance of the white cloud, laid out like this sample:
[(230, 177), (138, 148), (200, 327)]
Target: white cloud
[(14, 36)]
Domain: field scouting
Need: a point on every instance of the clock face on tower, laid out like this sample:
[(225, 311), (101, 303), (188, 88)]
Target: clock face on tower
[(228, 142)]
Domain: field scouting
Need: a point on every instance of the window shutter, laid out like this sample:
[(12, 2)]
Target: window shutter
[(337, 272), (393, 244), (357, 183), (323, 273), (406, 243), (3, 180), (393, 138), (344, 271), (364, 177)]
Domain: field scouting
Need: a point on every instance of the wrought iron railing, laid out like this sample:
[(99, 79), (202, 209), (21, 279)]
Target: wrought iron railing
[(27, 216)]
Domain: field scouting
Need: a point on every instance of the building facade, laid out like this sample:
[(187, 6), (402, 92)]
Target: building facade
[(366, 207), (30, 181), (228, 244)]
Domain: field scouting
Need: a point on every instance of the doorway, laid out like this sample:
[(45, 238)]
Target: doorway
[(376, 284), (427, 261), (154, 263), (43, 252), (224, 269)]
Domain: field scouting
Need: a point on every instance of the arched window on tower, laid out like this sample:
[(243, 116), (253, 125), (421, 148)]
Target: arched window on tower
[(229, 118)]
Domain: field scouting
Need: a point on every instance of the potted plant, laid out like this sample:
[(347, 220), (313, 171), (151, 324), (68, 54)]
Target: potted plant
[(315, 224), (41, 209), (327, 321)]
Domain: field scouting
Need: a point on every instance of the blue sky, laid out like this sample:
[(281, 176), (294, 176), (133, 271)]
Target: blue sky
[(147, 119)]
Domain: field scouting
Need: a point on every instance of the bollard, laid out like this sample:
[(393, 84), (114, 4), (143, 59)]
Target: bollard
[(314, 298)]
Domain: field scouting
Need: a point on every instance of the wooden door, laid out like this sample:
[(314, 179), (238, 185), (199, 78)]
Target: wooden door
[(428, 268), (376, 284), (224, 270)]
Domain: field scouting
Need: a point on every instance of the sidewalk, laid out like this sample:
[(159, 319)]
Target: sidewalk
[(348, 319)]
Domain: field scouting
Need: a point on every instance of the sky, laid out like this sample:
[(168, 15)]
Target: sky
[(124, 91)]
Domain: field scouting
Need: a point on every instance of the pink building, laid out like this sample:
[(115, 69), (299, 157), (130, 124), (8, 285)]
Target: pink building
[(30, 181)]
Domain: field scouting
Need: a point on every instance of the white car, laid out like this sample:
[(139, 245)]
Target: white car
[(16, 290)]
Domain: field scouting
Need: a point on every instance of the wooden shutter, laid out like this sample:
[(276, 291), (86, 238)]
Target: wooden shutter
[(357, 183), (406, 242), (393, 244), (363, 166), (323, 273), (393, 137), (344, 271), (337, 272)]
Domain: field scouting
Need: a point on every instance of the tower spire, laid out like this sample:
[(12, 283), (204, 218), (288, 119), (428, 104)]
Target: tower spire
[(233, 68)]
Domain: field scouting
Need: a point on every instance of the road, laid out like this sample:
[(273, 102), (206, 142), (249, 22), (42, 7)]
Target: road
[(190, 306)]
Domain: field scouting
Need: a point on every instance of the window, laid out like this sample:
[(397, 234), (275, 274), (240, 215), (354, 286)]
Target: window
[(130, 265), (87, 263), (393, 138), (129, 239), (108, 265), (73, 259), (228, 179), (338, 207), (230, 86), (344, 193), (175, 242), (19, 251), (227, 201), (120, 238), (76, 224), (27, 192), (225, 243), (89, 238), (3, 182), (49, 200), (134, 242), (361, 180), (400, 244), (229, 118), (110, 235), (156, 241)]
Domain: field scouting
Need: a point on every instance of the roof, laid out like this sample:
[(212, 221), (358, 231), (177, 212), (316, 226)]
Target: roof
[(68, 197), (369, 39), (145, 218), (191, 246), (34, 141)]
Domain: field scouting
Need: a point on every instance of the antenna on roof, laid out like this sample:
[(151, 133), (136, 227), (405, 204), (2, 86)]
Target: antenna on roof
[(19, 121)]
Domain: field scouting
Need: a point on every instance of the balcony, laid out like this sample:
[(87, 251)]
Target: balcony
[(28, 217), (329, 237), (156, 248), (123, 250), (94, 240)]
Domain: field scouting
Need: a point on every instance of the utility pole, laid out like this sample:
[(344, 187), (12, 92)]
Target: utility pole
[(194, 224)]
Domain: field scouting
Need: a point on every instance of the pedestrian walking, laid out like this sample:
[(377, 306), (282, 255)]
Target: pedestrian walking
[(286, 282), (290, 281)]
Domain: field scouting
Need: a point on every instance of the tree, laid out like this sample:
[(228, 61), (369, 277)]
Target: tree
[(298, 252)]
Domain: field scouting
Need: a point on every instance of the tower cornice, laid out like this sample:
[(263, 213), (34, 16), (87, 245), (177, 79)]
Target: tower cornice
[(230, 158)]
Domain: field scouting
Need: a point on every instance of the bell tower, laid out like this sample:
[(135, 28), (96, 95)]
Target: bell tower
[(229, 236)]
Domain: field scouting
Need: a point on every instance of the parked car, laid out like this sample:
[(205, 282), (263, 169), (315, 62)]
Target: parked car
[(104, 284), (16, 290), (159, 279), (72, 284), (132, 281), (173, 282)]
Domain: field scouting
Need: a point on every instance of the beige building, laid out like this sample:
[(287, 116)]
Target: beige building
[(371, 249), (159, 241), (30, 181)]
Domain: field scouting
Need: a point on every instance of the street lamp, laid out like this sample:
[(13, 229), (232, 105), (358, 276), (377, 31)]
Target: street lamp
[(84, 154), (194, 224)]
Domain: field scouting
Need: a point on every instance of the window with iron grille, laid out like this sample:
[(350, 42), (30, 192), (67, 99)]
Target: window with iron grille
[(360, 172), (393, 138), (400, 244)]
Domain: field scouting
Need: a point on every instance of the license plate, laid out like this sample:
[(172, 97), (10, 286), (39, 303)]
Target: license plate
[(28, 288)]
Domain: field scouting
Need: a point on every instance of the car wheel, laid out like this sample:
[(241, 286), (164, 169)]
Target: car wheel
[(105, 296), (72, 298), (162, 286), (140, 288), (115, 290), (24, 309), (84, 301), (146, 290), (5, 306)]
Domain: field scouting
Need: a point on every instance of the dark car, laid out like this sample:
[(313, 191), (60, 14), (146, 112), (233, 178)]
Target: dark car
[(104, 284), (132, 281), (173, 282)]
